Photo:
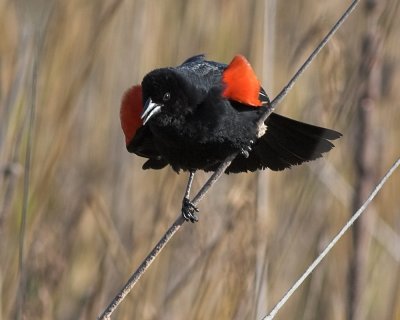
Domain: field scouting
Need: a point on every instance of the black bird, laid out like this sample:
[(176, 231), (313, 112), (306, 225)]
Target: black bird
[(193, 116)]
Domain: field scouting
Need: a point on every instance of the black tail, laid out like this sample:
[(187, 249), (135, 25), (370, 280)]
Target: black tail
[(286, 143)]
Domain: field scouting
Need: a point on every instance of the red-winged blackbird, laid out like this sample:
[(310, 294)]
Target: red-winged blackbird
[(193, 116)]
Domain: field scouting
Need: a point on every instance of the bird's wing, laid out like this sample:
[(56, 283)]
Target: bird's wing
[(138, 138), (237, 80), (240, 84), (287, 142), (131, 109)]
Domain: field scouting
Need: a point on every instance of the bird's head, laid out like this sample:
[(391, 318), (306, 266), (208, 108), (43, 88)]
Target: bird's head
[(167, 94)]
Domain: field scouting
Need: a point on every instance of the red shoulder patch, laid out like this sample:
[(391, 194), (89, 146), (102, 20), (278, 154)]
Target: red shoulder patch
[(241, 83), (131, 109)]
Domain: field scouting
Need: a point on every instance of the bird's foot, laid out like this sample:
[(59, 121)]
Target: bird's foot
[(245, 152), (189, 211)]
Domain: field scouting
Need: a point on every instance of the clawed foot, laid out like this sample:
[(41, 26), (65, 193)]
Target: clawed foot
[(189, 211), (245, 152)]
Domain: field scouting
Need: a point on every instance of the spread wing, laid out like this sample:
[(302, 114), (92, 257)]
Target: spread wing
[(286, 143)]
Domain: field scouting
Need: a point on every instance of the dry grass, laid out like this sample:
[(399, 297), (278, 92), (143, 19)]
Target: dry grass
[(93, 214)]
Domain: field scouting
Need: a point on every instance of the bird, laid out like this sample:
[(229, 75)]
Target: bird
[(193, 116)]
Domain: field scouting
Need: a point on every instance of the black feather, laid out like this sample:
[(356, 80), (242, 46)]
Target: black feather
[(154, 164), (288, 142)]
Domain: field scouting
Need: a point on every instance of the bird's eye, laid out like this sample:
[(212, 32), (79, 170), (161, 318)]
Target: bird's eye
[(166, 96)]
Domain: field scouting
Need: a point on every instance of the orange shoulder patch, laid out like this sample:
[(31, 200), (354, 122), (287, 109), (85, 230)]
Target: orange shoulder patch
[(241, 83), (131, 109)]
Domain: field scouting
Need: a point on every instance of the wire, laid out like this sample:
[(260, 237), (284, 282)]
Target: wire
[(318, 260)]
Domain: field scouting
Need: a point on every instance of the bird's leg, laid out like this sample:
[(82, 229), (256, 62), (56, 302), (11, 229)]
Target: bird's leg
[(188, 208)]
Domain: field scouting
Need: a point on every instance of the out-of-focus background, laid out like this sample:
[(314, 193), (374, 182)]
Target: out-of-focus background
[(92, 214)]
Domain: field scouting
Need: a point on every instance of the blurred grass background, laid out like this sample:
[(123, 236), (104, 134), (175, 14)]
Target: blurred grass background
[(93, 214)]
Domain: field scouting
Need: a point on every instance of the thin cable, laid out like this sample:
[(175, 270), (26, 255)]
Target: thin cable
[(312, 56), (317, 261)]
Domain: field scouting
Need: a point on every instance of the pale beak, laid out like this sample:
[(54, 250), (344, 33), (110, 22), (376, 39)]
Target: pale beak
[(150, 109)]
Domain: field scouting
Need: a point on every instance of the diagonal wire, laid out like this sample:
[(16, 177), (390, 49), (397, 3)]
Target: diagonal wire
[(312, 56), (329, 247)]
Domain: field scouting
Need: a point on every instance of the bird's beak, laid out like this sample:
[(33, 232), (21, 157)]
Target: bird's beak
[(150, 109)]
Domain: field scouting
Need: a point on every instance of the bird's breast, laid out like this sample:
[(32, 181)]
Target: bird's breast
[(188, 147)]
